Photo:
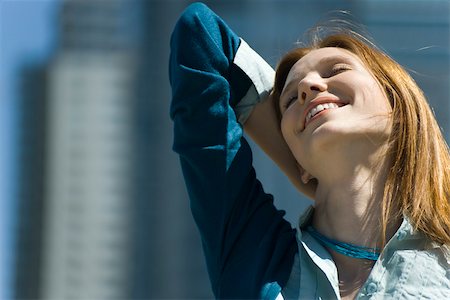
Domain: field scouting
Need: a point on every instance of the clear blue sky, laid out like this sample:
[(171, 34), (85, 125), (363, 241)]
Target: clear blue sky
[(27, 35)]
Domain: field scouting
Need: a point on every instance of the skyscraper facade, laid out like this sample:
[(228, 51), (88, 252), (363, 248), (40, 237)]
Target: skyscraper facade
[(86, 240)]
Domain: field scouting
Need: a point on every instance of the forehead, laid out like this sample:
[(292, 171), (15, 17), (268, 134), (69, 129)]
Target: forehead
[(319, 57)]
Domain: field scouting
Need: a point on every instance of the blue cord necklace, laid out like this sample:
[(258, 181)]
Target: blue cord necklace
[(345, 248)]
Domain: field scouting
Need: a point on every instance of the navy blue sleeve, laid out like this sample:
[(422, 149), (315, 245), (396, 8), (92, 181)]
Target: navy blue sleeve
[(246, 241)]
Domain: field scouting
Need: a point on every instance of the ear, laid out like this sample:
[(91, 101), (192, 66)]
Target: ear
[(305, 176)]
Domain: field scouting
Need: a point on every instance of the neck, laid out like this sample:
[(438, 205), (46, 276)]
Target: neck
[(348, 206), (349, 211)]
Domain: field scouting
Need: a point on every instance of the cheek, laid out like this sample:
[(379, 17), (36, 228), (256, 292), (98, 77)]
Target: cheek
[(380, 100), (374, 100), (288, 131), (293, 140), (291, 118), (288, 125)]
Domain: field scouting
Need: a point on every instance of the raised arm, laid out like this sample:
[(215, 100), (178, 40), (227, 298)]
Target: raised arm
[(249, 247)]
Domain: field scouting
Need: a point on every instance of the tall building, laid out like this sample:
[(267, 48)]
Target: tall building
[(89, 149), (32, 176)]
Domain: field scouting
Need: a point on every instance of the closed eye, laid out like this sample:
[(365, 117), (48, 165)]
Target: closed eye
[(338, 68)]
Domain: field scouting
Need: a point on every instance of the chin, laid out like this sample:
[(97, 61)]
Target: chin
[(331, 136), (326, 133)]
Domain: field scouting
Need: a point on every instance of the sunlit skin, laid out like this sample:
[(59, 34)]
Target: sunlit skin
[(343, 148)]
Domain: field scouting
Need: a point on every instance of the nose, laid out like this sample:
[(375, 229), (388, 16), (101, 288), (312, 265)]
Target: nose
[(309, 86)]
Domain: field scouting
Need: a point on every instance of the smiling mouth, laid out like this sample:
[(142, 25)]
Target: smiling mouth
[(318, 109)]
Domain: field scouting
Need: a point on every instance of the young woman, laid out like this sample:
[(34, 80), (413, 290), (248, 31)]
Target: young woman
[(350, 128)]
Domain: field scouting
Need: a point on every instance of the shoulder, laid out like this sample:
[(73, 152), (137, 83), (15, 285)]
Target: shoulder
[(418, 267), (410, 267)]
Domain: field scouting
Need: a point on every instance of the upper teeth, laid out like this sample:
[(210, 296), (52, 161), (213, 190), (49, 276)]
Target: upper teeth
[(317, 109)]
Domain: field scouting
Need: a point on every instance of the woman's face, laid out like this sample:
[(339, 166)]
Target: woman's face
[(329, 101)]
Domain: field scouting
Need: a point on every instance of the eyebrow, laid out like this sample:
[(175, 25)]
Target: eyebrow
[(323, 61)]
